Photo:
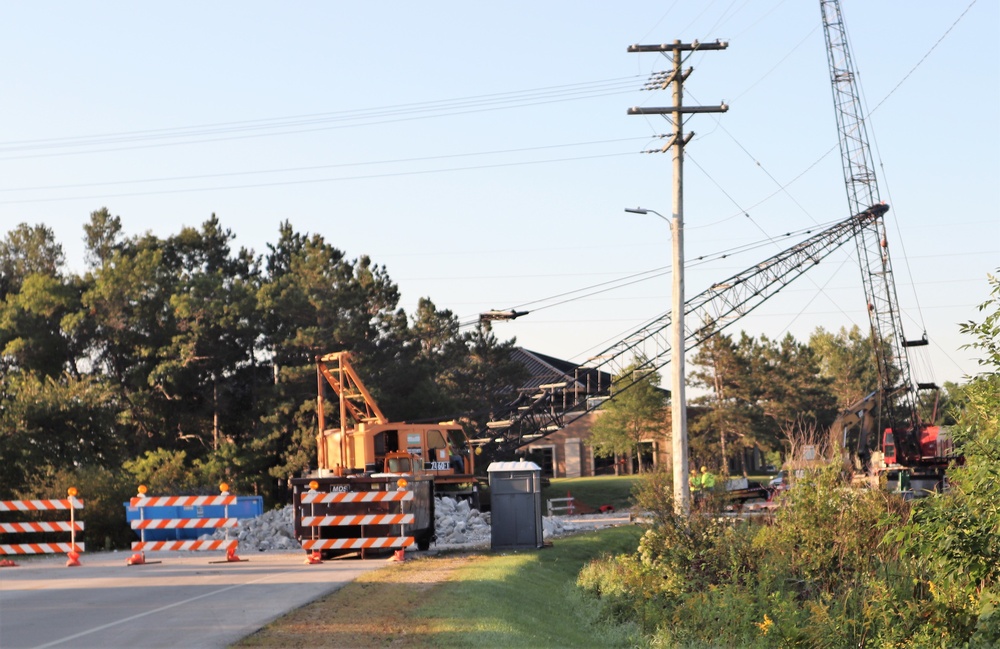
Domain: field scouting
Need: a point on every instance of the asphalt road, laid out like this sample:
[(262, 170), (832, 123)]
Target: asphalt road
[(184, 601)]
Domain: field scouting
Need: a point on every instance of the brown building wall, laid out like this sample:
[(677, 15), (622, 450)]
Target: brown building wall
[(572, 455)]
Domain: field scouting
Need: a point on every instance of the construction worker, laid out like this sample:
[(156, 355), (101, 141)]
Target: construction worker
[(694, 481), (707, 479)]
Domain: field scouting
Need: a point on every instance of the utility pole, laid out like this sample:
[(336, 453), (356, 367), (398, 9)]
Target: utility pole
[(677, 141)]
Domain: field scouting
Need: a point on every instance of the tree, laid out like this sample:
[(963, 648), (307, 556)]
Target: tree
[(722, 431), (791, 390), (28, 250), (483, 382), (312, 301), (766, 387), (846, 359), (103, 237), (635, 412), (54, 423), (210, 356), (31, 333)]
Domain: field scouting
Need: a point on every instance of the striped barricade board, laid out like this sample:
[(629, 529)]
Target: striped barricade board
[(183, 523), (39, 505), (360, 519), (29, 527), (181, 501), (353, 530), (215, 544), (358, 544), (315, 497), (142, 524)]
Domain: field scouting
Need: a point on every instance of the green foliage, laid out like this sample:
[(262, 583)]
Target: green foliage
[(954, 538), (104, 493), (837, 565), (191, 362), (28, 250), (846, 359), (166, 472), (52, 424), (163, 472), (816, 576)]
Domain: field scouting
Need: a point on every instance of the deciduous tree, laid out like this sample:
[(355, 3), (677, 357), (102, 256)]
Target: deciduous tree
[(636, 413)]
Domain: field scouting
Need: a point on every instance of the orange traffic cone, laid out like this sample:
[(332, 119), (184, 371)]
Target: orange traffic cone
[(136, 559), (231, 554), (72, 558), (7, 563), (399, 555), (314, 558)]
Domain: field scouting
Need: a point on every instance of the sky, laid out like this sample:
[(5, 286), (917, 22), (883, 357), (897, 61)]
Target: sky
[(482, 152)]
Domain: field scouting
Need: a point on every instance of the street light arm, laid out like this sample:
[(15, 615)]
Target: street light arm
[(643, 210), (501, 315)]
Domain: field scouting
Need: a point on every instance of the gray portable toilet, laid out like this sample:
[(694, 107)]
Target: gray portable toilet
[(515, 505)]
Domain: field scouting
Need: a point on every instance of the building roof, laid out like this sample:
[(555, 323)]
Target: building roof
[(548, 370)]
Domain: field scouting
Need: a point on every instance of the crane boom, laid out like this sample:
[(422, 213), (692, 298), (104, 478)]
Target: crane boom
[(711, 311), (895, 384)]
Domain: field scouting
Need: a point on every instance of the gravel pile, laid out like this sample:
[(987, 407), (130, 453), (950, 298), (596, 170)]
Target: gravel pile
[(458, 525), (271, 531)]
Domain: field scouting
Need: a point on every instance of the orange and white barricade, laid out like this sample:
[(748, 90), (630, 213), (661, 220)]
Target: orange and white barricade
[(72, 549), (142, 524), (356, 527)]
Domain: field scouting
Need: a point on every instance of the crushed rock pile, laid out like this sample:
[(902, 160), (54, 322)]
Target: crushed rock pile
[(458, 525), (271, 531)]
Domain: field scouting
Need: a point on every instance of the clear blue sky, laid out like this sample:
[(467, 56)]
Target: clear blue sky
[(482, 151)]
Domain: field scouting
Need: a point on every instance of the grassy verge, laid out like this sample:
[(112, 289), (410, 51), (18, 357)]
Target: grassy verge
[(601, 490), (514, 599)]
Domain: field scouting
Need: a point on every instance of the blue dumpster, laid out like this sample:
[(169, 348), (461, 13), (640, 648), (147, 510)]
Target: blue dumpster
[(244, 507)]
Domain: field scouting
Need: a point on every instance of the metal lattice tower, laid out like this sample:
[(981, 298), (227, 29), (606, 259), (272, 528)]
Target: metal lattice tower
[(710, 312), (895, 383)]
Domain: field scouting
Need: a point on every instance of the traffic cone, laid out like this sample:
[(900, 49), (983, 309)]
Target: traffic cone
[(7, 563), (231, 554), (314, 558), (72, 558), (399, 555), (136, 559)]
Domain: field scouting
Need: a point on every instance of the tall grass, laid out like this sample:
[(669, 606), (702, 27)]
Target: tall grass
[(818, 575), (529, 599)]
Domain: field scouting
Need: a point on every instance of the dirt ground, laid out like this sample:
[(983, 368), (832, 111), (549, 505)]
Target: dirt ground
[(344, 618)]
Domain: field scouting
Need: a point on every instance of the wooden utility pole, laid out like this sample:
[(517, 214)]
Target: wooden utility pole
[(678, 403)]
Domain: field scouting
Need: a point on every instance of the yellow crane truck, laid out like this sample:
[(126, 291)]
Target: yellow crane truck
[(375, 481)]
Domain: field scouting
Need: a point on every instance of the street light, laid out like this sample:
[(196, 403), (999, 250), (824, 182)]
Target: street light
[(678, 401), (643, 210), (496, 314)]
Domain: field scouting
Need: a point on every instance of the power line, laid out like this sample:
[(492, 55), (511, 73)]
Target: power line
[(314, 181), (314, 167), (309, 124), (635, 278)]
